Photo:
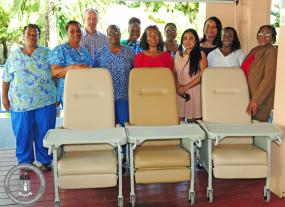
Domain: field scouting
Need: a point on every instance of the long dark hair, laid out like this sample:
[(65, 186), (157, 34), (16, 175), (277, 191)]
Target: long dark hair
[(195, 54), (143, 40), (217, 39), (236, 42)]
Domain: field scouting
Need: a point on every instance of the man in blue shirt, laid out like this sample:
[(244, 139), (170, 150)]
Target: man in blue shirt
[(91, 38)]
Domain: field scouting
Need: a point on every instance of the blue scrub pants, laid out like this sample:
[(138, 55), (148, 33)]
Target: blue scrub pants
[(121, 112), (30, 127)]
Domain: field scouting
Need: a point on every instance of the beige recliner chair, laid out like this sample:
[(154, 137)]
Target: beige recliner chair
[(160, 148), (236, 148), (89, 137)]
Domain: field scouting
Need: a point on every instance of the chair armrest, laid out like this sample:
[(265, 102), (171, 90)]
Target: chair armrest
[(58, 137), (260, 142), (259, 130), (139, 134)]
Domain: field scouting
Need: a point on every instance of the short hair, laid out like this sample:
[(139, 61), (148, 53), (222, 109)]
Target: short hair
[(170, 24), (114, 26), (217, 40), (143, 40), (34, 26), (95, 11), (72, 22), (134, 20), (273, 31), (236, 42)]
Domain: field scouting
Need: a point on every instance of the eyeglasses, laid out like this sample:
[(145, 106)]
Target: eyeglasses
[(171, 31), (113, 33), (267, 35)]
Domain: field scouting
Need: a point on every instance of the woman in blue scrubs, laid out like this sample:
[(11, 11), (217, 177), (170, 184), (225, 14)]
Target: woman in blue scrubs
[(28, 91)]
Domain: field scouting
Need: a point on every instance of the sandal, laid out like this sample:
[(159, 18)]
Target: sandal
[(45, 167)]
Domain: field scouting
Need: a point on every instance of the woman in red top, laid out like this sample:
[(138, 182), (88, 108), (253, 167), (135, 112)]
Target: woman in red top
[(153, 54)]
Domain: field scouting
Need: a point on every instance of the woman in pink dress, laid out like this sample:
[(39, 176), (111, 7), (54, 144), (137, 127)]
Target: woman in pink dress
[(189, 64), (153, 54)]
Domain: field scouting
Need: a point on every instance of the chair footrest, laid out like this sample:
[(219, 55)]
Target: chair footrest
[(87, 181), (161, 156), (88, 162), (162, 175)]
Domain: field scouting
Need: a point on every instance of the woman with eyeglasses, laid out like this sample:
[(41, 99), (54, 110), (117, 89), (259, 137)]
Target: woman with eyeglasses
[(118, 59), (68, 56), (28, 91), (259, 67), (170, 44)]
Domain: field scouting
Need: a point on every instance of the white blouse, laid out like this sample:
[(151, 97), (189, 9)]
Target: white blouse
[(217, 59)]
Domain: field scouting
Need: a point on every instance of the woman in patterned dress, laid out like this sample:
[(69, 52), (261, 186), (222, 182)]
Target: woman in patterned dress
[(189, 64), (118, 59), (69, 56), (28, 91)]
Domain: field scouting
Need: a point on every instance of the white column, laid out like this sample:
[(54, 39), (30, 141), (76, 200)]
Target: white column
[(278, 152)]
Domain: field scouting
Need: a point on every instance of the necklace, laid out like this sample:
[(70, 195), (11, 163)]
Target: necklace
[(208, 43)]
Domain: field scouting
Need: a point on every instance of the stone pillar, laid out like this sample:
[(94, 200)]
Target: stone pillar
[(278, 152)]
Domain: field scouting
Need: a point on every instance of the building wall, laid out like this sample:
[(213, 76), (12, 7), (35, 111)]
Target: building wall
[(246, 17), (251, 15), (224, 11)]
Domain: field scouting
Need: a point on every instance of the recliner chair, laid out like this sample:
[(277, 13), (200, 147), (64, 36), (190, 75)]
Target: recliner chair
[(236, 147), (160, 148), (88, 138)]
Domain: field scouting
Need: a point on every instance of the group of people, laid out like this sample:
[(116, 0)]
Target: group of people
[(33, 79)]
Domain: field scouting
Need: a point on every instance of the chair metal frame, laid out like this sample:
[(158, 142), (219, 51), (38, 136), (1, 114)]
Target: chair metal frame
[(56, 138), (138, 134), (217, 132), (232, 86)]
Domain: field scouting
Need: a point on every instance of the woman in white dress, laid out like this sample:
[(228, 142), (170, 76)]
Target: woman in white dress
[(228, 54)]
